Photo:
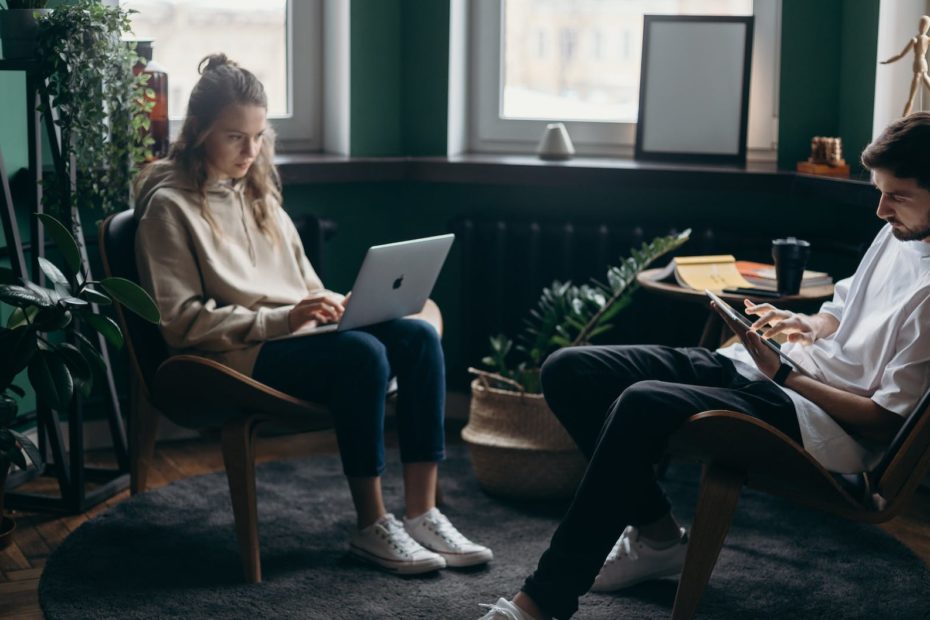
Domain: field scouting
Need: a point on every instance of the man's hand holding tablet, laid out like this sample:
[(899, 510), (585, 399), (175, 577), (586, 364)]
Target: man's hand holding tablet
[(766, 353)]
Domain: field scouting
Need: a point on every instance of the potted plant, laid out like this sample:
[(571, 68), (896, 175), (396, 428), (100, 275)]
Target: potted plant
[(19, 26), (43, 336), (517, 446)]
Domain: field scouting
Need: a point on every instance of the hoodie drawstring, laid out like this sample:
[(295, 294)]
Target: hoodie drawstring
[(245, 225)]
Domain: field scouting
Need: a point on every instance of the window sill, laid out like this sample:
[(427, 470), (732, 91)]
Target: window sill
[(490, 169)]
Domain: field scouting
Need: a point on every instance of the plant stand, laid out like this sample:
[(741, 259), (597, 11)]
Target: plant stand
[(66, 465)]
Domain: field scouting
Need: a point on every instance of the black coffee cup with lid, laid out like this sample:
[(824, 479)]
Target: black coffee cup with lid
[(790, 256)]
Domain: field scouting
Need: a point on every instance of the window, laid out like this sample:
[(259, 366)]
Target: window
[(257, 35), (592, 82)]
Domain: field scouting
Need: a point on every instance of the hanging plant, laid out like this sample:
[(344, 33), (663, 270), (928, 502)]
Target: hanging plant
[(99, 106)]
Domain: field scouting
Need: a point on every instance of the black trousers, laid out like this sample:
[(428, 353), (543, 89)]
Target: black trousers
[(621, 404)]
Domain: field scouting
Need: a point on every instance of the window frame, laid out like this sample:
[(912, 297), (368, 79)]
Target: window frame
[(302, 128), (489, 133)]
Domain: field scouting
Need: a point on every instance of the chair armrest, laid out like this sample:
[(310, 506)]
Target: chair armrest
[(769, 459), (197, 392)]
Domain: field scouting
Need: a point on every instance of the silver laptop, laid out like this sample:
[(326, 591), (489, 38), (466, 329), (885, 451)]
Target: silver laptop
[(394, 280)]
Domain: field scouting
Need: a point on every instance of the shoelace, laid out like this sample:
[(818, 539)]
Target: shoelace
[(493, 608), (445, 530), (393, 531), (624, 546)]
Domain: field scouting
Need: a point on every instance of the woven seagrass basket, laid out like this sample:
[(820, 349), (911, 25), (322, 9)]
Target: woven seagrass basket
[(518, 448)]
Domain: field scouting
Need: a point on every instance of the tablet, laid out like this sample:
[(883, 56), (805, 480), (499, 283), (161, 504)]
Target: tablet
[(731, 312)]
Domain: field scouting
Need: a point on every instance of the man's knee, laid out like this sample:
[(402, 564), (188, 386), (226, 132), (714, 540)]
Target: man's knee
[(654, 407), (562, 369)]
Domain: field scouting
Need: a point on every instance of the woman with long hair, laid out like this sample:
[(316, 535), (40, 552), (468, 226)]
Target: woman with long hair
[(226, 266)]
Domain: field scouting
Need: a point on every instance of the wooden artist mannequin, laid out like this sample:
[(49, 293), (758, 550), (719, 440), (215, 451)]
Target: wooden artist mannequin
[(919, 44)]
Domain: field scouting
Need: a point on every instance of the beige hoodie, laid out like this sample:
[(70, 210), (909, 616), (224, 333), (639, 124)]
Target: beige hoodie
[(219, 296)]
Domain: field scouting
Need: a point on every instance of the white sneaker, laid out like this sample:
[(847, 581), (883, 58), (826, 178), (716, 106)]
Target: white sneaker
[(504, 610), (632, 561), (387, 544), (434, 531)]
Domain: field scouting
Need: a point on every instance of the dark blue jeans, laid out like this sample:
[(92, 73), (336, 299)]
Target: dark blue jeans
[(349, 371), (621, 404)]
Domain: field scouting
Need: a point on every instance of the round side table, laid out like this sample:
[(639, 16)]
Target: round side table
[(712, 336)]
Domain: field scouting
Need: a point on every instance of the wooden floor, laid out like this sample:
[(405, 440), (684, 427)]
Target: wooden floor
[(38, 534)]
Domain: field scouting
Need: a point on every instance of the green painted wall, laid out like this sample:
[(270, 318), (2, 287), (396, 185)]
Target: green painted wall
[(827, 76), (859, 37), (375, 80), (399, 81), (425, 79)]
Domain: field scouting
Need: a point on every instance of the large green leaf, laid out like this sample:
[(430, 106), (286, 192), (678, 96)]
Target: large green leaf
[(106, 326), (91, 353), (52, 319), (51, 379), (65, 242), (78, 365), (22, 296), (95, 297), (52, 272), (21, 316), (46, 293), (75, 302), (133, 297)]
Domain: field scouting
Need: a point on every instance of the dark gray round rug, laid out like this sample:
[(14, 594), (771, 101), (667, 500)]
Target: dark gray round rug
[(172, 553)]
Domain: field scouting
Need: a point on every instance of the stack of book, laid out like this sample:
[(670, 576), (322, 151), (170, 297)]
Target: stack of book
[(725, 272), (762, 275)]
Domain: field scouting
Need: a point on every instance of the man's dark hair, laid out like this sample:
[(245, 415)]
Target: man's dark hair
[(903, 149)]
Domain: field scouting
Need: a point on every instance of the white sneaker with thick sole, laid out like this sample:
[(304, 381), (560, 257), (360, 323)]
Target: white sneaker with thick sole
[(504, 610), (434, 531), (387, 544), (633, 561)]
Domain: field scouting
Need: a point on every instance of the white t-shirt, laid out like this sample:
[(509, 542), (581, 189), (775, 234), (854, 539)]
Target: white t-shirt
[(880, 350)]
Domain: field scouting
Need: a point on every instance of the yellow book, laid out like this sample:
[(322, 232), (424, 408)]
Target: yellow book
[(715, 272)]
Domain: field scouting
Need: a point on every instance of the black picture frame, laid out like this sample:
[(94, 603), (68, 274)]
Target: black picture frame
[(676, 118)]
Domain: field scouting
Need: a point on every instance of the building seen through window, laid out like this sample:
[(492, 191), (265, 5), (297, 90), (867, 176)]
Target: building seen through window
[(594, 76), (254, 34)]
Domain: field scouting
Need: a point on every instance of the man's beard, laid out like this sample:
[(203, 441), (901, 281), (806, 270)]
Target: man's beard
[(911, 234)]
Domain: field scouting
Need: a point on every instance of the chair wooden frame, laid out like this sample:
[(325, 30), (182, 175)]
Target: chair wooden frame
[(737, 449), (196, 392)]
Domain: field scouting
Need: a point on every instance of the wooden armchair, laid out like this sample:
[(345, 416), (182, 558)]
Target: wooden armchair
[(195, 392), (737, 449)]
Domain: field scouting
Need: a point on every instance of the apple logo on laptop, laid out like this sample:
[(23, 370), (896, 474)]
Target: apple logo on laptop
[(398, 282)]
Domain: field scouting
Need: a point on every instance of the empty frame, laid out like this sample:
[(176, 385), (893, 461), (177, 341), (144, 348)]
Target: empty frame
[(694, 89)]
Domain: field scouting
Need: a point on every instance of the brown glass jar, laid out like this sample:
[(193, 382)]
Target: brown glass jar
[(157, 84)]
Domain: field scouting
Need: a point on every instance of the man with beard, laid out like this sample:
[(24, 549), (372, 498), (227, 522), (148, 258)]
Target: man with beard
[(867, 353)]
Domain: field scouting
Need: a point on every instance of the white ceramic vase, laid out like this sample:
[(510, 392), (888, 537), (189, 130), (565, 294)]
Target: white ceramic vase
[(555, 144)]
